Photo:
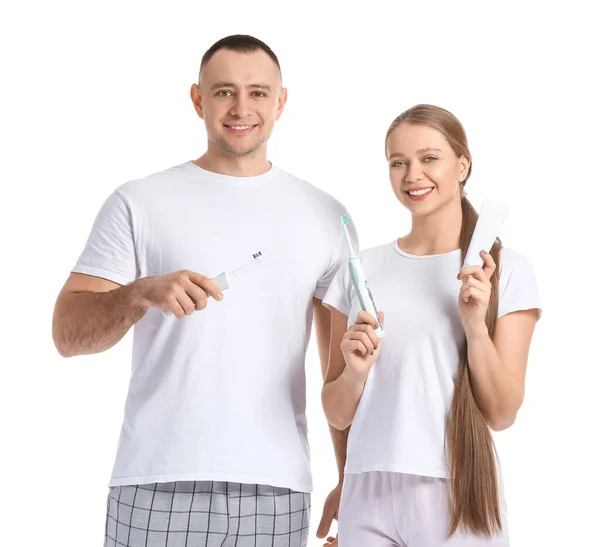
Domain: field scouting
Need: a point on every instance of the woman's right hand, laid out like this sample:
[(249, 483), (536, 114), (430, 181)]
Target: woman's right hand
[(361, 346)]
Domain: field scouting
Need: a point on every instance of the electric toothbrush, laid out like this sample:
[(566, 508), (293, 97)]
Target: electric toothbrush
[(224, 279), (361, 285)]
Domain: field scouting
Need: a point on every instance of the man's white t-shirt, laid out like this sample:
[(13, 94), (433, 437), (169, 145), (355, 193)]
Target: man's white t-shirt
[(220, 394), (399, 424)]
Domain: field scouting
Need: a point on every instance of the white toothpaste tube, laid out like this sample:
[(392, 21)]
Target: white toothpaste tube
[(491, 218)]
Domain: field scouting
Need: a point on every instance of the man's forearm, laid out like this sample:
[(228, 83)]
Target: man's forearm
[(323, 330), (92, 322), (340, 446)]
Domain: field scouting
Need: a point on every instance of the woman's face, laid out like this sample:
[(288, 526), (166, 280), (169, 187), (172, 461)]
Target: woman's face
[(424, 170)]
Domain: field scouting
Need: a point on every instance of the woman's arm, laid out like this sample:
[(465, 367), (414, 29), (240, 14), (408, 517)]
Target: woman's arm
[(352, 353), (498, 366)]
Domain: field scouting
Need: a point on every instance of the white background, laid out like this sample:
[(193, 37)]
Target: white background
[(96, 93)]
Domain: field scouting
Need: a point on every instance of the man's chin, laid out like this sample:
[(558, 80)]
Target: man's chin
[(242, 152), (237, 150)]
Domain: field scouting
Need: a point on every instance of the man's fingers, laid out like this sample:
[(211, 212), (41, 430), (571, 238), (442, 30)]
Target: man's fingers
[(186, 303), (205, 283), (324, 526), (174, 307), (198, 295)]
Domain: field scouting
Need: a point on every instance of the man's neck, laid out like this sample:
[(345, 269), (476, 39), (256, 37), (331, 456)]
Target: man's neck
[(248, 166)]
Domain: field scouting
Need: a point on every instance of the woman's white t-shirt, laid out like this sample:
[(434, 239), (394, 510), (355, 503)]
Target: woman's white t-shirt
[(400, 421)]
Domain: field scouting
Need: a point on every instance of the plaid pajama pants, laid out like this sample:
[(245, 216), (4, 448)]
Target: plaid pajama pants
[(206, 514)]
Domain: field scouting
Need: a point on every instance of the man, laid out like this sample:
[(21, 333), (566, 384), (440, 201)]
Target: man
[(213, 448)]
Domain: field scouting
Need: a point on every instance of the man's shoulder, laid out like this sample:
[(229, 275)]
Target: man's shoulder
[(316, 195), (142, 186)]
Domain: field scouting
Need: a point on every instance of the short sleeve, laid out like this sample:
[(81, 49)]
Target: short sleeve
[(518, 287), (339, 255), (110, 249), (339, 294)]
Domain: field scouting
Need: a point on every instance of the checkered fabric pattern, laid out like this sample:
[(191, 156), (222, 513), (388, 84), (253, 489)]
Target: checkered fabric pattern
[(206, 514)]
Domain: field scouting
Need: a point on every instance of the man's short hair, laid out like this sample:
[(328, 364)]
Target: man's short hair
[(239, 42)]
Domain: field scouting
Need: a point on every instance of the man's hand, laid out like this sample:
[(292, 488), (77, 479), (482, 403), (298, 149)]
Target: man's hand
[(181, 293), (330, 512)]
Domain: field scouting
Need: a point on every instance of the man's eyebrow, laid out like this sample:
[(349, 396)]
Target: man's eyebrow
[(266, 87), (216, 85), (219, 85)]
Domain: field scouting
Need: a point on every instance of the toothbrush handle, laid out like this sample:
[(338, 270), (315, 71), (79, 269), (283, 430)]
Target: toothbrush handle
[(363, 292)]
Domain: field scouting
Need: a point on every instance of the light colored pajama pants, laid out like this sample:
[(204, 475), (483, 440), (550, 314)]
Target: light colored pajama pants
[(381, 509), (206, 514)]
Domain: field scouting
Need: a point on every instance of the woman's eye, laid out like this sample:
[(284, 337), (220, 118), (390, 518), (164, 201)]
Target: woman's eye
[(430, 158), (398, 164)]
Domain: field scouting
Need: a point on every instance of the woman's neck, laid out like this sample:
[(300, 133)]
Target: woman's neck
[(436, 233)]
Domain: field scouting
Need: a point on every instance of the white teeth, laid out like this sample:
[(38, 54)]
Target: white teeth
[(239, 127), (420, 192)]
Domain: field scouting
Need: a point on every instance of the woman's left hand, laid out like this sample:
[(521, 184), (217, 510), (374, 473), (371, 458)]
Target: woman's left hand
[(475, 293)]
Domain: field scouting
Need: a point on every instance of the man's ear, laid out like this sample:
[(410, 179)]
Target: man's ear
[(197, 100)]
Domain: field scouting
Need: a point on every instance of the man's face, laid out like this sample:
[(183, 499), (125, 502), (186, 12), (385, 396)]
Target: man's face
[(239, 97)]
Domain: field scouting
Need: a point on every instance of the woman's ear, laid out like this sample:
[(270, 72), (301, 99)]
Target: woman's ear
[(464, 164)]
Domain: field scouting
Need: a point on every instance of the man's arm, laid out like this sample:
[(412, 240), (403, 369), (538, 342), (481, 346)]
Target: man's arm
[(323, 332), (92, 314), (322, 320)]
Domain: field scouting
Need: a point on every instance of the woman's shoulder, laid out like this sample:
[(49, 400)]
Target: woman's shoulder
[(376, 252), (510, 259), (515, 270), (517, 284)]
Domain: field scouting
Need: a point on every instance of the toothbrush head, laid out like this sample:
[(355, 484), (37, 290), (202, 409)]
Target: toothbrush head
[(257, 256), (346, 222)]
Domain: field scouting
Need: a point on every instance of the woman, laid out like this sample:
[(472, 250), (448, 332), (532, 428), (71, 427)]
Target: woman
[(421, 468)]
